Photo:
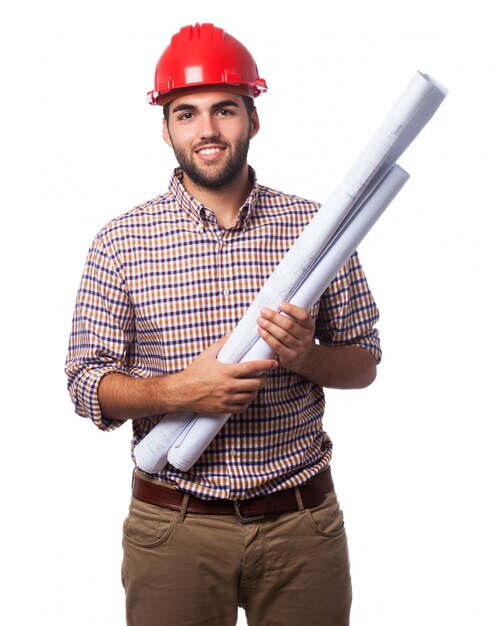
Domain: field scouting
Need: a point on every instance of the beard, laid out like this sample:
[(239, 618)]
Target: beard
[(213, 176)]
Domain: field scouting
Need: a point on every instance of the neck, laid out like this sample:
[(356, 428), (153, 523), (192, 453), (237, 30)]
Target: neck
[(224, 202)]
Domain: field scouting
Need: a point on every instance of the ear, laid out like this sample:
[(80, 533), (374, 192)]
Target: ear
[(254, 123), (166, 136)]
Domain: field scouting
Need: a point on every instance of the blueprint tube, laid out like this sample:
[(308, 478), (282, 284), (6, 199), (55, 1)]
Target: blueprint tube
[(200, 430), (409, 115), (180, 438)]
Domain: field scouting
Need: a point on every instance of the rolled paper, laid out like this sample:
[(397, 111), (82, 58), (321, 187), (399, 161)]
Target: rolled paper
[(201, 430), (326, 242)]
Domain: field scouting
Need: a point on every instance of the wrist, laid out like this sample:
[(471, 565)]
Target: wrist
[(307, 363), (174, 393)]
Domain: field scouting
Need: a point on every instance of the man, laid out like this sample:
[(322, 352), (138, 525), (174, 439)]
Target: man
[(255, 522)]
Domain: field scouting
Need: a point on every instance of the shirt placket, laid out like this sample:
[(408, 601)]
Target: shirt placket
[(227, 288), (225, 273)]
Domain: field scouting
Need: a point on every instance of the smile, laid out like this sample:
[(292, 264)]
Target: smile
[(209, 151)]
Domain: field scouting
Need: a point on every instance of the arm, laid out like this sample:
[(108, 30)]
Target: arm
[(103, 328), (106, 389), (340, 367), (292, 340), (205, 386)]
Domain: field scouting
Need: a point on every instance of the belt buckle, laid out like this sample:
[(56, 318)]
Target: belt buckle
[(243, 519)]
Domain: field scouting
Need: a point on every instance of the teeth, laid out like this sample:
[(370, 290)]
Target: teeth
[(209, 150)]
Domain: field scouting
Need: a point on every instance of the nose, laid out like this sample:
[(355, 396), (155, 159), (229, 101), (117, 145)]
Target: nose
[(208, 129)]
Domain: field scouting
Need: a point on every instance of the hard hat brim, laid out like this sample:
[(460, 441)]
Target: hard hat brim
[(240, 90)]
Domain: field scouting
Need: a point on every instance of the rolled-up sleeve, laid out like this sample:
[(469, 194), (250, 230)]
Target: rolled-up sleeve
[(102, 330), (348, 313)]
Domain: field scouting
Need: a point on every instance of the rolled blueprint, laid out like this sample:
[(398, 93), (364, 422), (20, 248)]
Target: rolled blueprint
[(180, 438), (335, 231), (200, 431)]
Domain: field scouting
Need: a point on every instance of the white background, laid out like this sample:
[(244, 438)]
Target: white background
[(415, 462)]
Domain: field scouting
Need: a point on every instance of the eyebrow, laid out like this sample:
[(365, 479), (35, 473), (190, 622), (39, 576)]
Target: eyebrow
[(185, 106)]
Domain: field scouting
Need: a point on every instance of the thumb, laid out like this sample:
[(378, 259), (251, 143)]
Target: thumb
[(218, 345)]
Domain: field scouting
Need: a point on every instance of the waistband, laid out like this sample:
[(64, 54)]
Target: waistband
[(308, 495)]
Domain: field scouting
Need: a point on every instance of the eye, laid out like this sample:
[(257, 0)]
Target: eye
[(187, 115), (225, 112)]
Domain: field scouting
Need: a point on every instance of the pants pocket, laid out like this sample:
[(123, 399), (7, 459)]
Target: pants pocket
[(327, 519), (147, 525)]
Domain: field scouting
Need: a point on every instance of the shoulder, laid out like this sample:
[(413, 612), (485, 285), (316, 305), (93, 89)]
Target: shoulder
[(143, 218), (277, 205), (273, 197)]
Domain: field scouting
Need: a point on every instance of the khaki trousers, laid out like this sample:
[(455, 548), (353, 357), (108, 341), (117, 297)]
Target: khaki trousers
[(191, 570)]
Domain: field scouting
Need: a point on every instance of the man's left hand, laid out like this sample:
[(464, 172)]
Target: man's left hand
[(291, 338)]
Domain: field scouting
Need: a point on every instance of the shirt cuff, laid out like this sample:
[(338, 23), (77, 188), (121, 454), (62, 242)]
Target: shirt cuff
[(370, 342), (87, 401)]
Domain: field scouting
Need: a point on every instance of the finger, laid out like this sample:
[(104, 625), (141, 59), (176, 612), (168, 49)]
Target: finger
[(272, 321), (240, 403), (302, 316), (245, 398), (246, 385), (288, 333), (273, 342), (238, 408), (254, 369)]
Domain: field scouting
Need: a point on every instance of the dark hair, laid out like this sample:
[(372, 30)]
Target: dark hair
[(248, 101)]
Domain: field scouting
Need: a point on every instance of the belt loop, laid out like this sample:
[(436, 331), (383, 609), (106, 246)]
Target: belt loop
[(183, 510), (299, 499)]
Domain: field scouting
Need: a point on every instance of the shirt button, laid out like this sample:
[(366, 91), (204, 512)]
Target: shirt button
[(226, 292), (199, 228), (233, 452)]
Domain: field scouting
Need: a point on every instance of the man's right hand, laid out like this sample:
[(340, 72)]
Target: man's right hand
[(205, 386), (210, 386)]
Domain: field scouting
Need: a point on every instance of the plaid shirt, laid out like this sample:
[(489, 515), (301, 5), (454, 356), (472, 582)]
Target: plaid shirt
[(164, 281)]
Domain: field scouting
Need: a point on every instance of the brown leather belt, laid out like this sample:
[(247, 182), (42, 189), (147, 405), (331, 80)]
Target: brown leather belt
[(312, 494)]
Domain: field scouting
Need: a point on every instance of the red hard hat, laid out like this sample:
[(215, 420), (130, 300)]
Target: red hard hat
[(205, 55)]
